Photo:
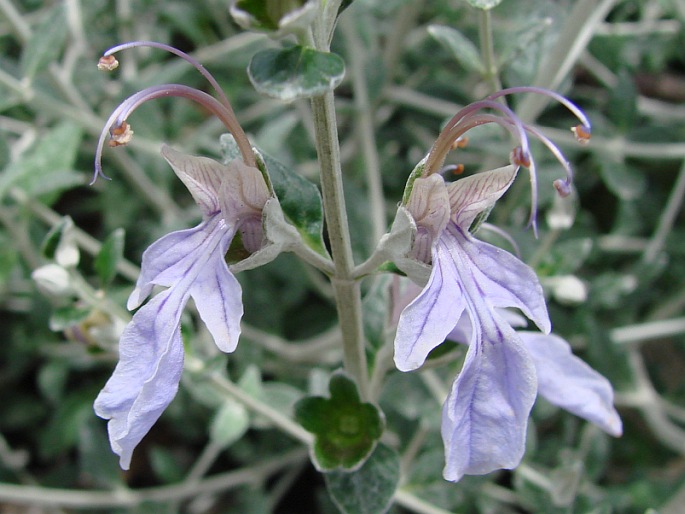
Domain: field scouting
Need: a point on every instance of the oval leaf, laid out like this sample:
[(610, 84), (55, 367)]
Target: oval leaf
[(462, 48), (46, 43), (229, 424), (295, 72), (370, 489), (109, 256)]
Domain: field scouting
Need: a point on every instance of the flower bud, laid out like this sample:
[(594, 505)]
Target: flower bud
[(52, 280)]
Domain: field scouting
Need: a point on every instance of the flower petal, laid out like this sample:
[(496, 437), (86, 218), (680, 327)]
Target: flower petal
[(567, 381), (170, 259), (218, 298), (472, 195), (427, 320), (486, 413), (502, 279), (201, 175), (146, 378), (429, 204), (243, 192)]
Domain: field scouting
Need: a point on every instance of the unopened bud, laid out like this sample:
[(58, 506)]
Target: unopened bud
[(52, 280), (568, 289)]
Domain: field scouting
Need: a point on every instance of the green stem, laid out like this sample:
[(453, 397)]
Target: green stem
[(667, 219), (84, 240), (282, 422), (121, 498), (366, 130), (347, 290), (487, 49), (415, 504)]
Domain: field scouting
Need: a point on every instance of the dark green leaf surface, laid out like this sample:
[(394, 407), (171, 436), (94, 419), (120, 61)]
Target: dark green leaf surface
[(369, 489), (295, 72), (109, 256), (346, 430)]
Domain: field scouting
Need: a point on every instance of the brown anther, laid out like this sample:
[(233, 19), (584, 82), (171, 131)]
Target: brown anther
[(562, 188), (108, 63), (519, 157), (120, 135), (458, 169), (460, 142), (582, 134)]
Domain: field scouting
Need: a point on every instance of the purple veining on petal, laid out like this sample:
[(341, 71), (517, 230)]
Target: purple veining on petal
[(506, 281), (486, 413), (218, 298), (570, 383), (146, 378), (427, 320), (169, 259)]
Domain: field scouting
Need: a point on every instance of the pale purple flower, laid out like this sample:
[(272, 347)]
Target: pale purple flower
[(563, 379), (189, 263), (486, 413)]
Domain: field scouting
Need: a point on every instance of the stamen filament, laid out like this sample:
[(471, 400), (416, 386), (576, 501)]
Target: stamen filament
[(453, 130), (122, 112), (221, 108), (194, 62), (577, 112)]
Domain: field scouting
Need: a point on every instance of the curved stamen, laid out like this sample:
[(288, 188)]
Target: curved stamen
[(562, 186), (577, 112), (503, 234), (452, 131), (191, 60), (121, 113)]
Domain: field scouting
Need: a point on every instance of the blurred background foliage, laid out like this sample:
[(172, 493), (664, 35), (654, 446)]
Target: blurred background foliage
[(614, 279)]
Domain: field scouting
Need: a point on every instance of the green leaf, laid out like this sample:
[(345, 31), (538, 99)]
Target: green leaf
[(109, 256), (484, 4), (566, 257), (9, 258), (370, 489), (99, 465), (299, 198), (48, 167), (229, 424), (51, 241), (166, 466), (67, 317), (620, 178), (461, 47), (346, 429), (622, 106), (280, 16), (62, 431), (295, 72), (375, 311), (46, 42), (52, 379)]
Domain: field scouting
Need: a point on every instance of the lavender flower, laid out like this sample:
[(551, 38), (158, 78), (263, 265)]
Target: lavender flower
[(189, 263), (486, 414)]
